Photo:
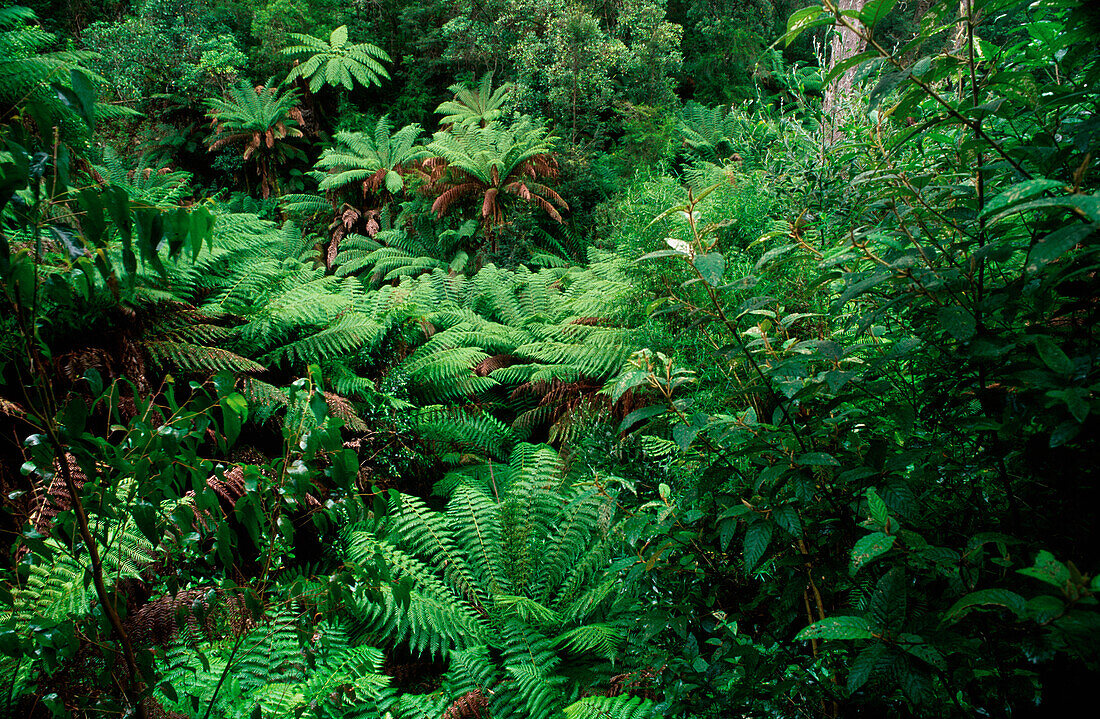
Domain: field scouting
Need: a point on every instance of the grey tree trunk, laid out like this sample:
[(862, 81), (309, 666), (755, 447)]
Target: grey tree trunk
[(845, 43)]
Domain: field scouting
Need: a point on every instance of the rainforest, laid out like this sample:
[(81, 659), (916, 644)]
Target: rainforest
[(549, 359)]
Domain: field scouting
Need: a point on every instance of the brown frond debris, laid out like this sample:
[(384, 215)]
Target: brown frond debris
[(205, 610), (489, 364), (342, 408), (471, 705), (53, 498)]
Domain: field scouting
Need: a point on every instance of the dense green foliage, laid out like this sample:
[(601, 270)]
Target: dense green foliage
[(453, 360)]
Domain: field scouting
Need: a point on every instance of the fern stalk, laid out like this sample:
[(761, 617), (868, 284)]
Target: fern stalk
[(136, 686)]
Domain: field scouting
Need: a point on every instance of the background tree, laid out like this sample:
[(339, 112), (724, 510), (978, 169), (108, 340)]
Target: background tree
[(847, 40)]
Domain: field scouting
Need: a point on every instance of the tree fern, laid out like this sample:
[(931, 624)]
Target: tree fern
[(371, 162), (336, 62), (620, 707), (474, 106), (260, 119), (706, 131), (494, 167), (511, 535)]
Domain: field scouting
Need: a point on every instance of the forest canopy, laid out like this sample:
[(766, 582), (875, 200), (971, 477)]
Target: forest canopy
[(552, 359)]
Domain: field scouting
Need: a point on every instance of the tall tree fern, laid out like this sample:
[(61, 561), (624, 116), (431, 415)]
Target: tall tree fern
[(492, 169), (474, 106), (260, 119), (519, 582), (336, 62)]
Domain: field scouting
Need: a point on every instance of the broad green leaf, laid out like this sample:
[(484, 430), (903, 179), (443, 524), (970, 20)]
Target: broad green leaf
[(875, 10), (957, 321), (726, 529), (1056, 244), (757, 539), (1045, 608), (838, 69), (921, 66), (711, 267), (94, 221), (915, 645), (684, 435), (1064, 432), (806, 19), (68, 239), (85, 93), (202, 229), (877, 506), (874, 659), (1077, 401), (223, 544), (75, 416), (1048, 569), (868, 549), (1020, 192), (985, 598), (1085, 206), (837, 628), (888, 605), (787, 518), (627, 381), (640, 415), (1052, 355), (238, 404), (885, 86), (817, 459), (145, 516)]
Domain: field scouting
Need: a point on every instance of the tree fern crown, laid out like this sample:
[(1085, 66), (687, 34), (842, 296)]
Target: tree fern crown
[(336, 62)]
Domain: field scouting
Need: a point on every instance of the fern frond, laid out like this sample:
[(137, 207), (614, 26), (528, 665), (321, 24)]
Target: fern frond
[(482, 436), (620, 707)]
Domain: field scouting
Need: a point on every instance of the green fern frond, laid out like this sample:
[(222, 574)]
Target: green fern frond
[(483, 436), (620, 707), (603, 639), (346, 334), (336, 62), (190, 357)]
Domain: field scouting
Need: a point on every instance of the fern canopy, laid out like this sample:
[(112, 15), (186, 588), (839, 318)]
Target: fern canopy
[(519, 582), (336, 62), (474, 106)]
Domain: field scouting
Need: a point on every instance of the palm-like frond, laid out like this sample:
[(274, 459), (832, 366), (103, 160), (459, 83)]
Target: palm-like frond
[(474, 106), (336, 62), (259, 118), (373, 161), (256, 116), (513, 582), (490, 164)]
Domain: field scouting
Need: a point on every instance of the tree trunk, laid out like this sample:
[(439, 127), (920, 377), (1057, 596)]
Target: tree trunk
[(845, 43)]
